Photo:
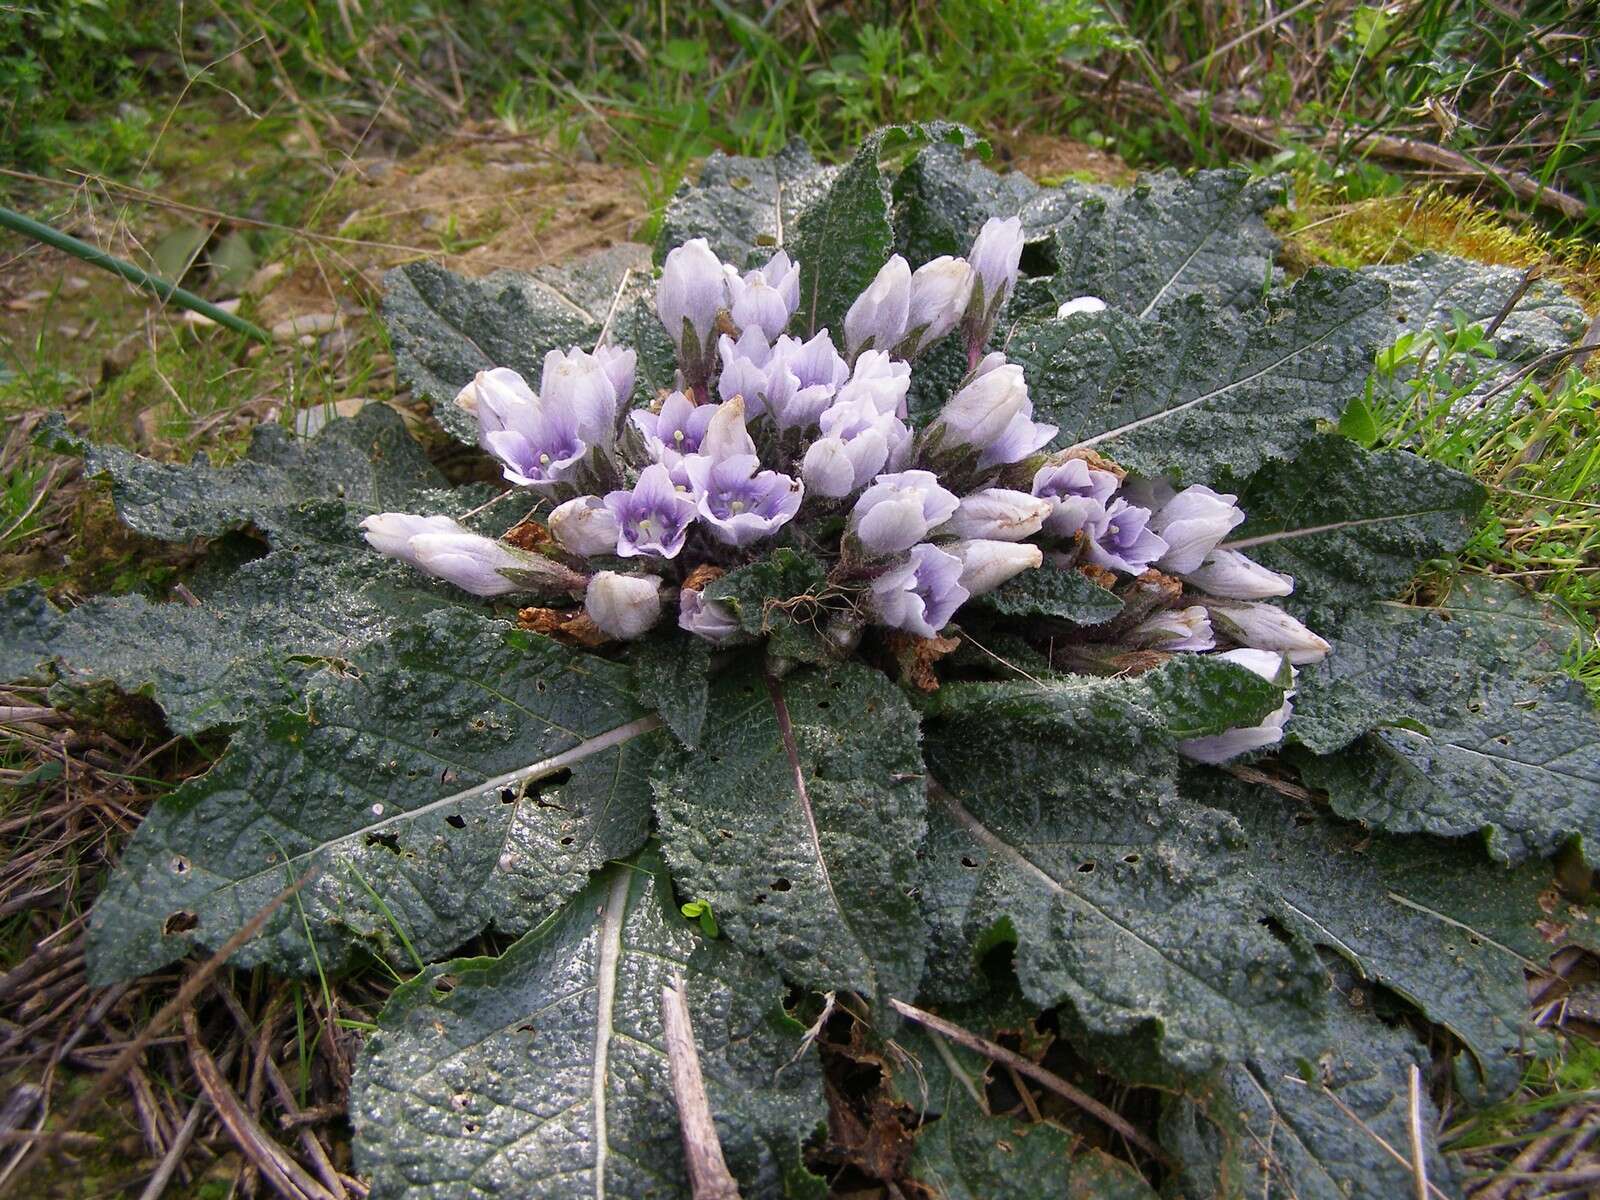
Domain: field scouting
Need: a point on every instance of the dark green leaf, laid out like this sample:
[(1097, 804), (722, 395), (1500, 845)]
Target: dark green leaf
[(458, 773), (1193, 391), (796, 820), (672, 675), (542, 1073), (745, 207), (1171, 235), (943, 198), (1051, 592), (1352, 526)]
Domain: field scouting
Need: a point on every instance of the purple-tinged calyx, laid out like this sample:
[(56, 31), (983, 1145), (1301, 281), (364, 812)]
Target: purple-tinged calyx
[(993, 415), (623, 606), (653, 518), (1175, 629), (692, 291), (939, 293), (986, 564), (997, 514), (1231, 575), (995, 256), (1266, 627)]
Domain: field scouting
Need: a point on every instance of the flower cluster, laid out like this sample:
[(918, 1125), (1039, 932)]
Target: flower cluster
[(771, 437)]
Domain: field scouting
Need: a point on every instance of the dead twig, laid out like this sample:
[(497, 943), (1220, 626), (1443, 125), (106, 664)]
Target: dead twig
[(709, 1177)]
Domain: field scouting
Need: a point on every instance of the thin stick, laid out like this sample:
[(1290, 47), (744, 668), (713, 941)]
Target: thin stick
[(1370, 1132), (1033, 1070), (709, 1177), (1419, 1158), (175, 1152)]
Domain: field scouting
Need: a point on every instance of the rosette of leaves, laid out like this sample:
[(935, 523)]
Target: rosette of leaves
[(1040, 823)]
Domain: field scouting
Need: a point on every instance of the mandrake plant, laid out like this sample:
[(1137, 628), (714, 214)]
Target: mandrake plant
[(936, 603)]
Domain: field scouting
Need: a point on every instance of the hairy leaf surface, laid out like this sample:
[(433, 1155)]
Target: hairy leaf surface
[(542, 1073), (746, 207), (1193, 390), (458, 773), (795, 821), (1051, 592)]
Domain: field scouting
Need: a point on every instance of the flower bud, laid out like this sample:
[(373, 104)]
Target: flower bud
[(802, 379), (995, 255), (708, 619), (767, 298), (497, 397), (998, 514), (472, 562), (827, 468), (726, 435), (624, 606), (1267, 627), (692, 290), (584, 526), (1192, 523), (922, 595), (993, 414), (618, 362), (899, 510), (877, 319), (882, 380), (391, 533), (939, 293), (576, 383), (1078, 494), (1229, 574), (1221, 747), (1175, 629), (985, 565), (1081, 304)]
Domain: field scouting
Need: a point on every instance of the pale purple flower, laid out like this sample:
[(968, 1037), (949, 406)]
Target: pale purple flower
[(899, 510), (391, 533), (1220, 747), (997, 514), (653, 518), (939, 293), (1078, 494), (585, 526), (738, 503), (1175, 629), (540, 447), (1192, 523), (624, 606), (995, 255), (709, 619), (1230, 574), (618, 362), (745, 368), (1081, 304), (676, 430), (577, 382), (985, 564), (881, 379), (767, 298), (1121, 539), (1267, 627), (803, 379), (993, 414), (496, 397), (877, 319), (692, 290), (472, 562), (922, 595), (858, 442)]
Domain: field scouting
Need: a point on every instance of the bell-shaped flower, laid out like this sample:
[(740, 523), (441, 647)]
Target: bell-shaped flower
[(1081, 304), (939, 293), (1121, 540), (858, 442), (899, 510), (1192, 523), (877, 319), (985, 564), (585, 526), (995, 255), (997, 514), (882, 380), (653, 518), (1229, 574), (693, 289), (391, 533), (708, 619), (738, 503), (1221, 747), (1175, 629), (540, 447), (677, 430), (803, 379), (1266, 627), (767, 298), (745, 365), (1078, 494), (921, 595), (498, 397), (624, 606), (993, 414), (619, 363), (577, 382)]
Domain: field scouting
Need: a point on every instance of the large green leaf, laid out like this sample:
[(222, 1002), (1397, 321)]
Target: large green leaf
[(447, 327), (745, 207), (1171, 235), (1471, 733), (1058, 827), (1352, 526), (796, 819), (943, 198), (1052, 592), (1194, 390), (1428, 291), (1431, 920), (1272, 1124), (542, 1073), (368, 462), (457, 774)]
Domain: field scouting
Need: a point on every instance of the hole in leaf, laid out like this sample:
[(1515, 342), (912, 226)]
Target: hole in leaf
[(1085, 868), (1302, 819), (507, 796), (760, 898), (966, 861), (456, 821), (822, 704), (727, 834), (567, 841), (180, 865), (538, 686), (181, 921), (389, 841), (1130, 858), (1277, 930), (780, 885), (469, 1126), (1039, 259)]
